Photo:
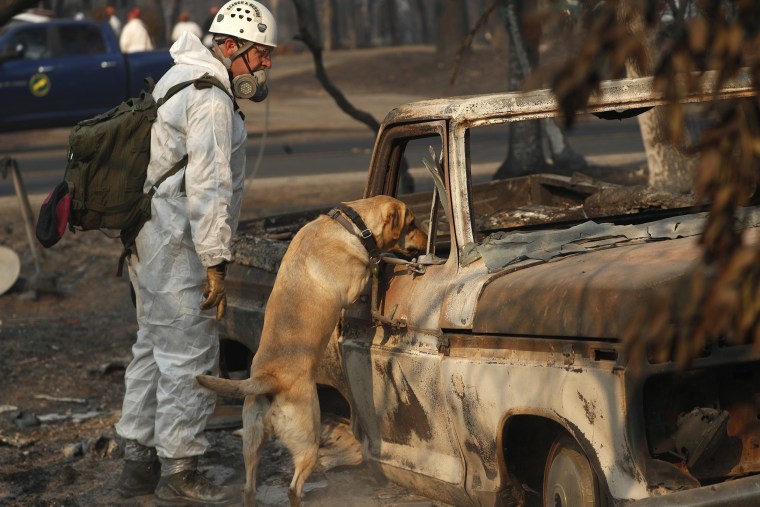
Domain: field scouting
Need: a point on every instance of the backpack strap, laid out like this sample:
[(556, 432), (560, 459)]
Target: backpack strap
[(207, 81), (203, 82), (150, 83), (128, 236), (168, 174)]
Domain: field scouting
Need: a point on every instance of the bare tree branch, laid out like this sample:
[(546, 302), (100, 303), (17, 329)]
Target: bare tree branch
[(307, 37), (467, 42), (9, 8)]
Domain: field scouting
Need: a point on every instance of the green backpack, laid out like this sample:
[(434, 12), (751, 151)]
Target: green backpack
[(107, 163)]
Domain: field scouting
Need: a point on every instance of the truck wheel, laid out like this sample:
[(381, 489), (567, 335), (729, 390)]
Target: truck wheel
[(569, 480)]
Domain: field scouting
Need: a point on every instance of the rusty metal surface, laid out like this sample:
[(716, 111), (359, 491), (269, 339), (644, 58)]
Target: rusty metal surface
[(594, 295), (258, 252), (625, 93), (248, 290), (739, 493), (486, 387), (394, 384)]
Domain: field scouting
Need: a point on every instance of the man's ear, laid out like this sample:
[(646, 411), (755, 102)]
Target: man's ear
[(229, 47)]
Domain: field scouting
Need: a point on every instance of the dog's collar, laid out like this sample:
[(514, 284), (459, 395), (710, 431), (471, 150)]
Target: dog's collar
[(354, 220)]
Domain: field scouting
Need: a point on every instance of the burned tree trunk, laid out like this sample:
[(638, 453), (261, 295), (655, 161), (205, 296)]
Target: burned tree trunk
[(670, 168), (525, 154)]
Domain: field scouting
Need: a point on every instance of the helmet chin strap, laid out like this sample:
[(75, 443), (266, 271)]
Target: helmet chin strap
[(244, 86), (227, 61)]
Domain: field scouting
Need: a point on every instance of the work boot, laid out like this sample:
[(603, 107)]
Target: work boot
[(182, 484), (138, 478), (141, 471)]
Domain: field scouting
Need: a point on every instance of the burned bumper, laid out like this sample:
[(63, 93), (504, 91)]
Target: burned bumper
[(743, 492)]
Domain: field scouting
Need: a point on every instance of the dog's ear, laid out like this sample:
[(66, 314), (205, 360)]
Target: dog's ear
[(394, 220)]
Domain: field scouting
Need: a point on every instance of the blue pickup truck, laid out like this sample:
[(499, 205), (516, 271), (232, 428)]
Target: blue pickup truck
[(56, 72)]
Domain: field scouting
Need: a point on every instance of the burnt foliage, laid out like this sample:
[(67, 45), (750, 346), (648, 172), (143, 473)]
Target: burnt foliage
[(721, 36)]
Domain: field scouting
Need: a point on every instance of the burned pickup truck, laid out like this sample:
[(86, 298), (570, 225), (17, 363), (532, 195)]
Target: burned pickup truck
[(491, 369)]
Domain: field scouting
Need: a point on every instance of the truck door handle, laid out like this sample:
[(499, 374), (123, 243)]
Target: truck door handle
[(41, 69), (107, 64)]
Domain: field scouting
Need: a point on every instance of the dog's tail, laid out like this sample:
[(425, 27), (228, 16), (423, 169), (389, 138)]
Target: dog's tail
[(235, 388)]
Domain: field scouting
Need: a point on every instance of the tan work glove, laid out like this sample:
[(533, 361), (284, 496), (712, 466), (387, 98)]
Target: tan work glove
[(213, 290)]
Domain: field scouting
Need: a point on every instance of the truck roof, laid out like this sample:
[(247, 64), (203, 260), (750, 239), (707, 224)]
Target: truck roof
[(620, 94), (31, 17)]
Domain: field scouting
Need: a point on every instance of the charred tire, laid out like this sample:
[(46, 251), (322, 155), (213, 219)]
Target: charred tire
[(569, 479)]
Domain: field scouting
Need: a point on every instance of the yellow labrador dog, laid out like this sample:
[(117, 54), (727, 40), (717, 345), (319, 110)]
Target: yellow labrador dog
[(323, 272)]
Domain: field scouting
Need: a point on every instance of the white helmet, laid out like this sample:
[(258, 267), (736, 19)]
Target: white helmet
[(248, 20)]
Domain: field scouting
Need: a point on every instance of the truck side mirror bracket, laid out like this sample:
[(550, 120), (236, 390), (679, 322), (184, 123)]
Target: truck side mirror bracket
[(417, 266), (378, 318)]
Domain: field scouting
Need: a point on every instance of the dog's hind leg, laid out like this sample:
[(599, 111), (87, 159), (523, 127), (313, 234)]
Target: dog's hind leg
[(297, 426), (255, 434), (304, 464)]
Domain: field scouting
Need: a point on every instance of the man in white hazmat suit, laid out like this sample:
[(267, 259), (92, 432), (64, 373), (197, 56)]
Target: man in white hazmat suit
[(178, 270), (134, 36)]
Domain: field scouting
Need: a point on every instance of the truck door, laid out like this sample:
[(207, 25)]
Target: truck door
[(395, 375), (63, 73), (84, 51), (18, 84)]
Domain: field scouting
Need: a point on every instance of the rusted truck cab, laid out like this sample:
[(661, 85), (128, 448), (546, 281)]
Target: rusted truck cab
[(491, 370)]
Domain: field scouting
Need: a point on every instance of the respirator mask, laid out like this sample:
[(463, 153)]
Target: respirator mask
[(251, 86)]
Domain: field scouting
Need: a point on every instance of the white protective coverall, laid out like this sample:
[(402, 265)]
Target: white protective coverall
[(164, 406), (134, 37)]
